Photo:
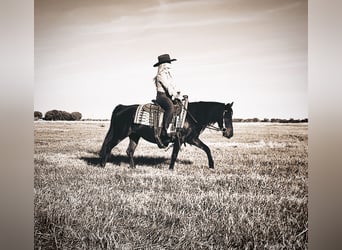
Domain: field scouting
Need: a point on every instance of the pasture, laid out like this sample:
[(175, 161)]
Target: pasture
[(256, 197)]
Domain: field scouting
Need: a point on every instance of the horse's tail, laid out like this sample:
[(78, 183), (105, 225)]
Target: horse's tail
[(110, 134)]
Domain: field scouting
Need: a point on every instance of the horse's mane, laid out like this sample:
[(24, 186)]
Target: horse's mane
[(206, 112)]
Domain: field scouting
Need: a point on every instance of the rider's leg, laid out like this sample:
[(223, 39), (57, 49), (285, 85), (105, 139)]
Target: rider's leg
[(166, 103), (157, 132), (162, 100)]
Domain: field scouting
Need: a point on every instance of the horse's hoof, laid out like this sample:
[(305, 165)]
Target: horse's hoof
[(161, 145)]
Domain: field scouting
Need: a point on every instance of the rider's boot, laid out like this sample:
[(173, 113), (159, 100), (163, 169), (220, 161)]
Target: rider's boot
[(157, 132)]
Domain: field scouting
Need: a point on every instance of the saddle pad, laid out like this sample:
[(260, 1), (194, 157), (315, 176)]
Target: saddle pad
[(152, 115), (149, 114)]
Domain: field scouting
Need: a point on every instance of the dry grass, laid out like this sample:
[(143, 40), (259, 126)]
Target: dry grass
[(256, 197)]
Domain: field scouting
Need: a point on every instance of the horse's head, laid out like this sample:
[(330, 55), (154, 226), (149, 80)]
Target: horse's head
[(226, 125)]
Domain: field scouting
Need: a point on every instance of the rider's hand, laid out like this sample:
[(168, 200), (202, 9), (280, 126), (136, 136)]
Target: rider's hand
[(178, 96)]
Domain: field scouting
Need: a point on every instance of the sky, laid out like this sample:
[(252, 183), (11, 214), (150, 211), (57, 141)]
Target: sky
[(93, 55)]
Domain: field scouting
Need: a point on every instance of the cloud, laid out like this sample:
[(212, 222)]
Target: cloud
[(175, 15), (179, 5)]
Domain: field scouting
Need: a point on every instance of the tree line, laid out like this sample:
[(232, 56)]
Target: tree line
[(277, 120), (55, 115), (58, 115)]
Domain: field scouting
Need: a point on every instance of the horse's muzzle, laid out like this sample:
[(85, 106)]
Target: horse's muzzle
[(228, 132)]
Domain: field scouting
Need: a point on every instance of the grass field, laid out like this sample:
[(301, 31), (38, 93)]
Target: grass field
[(256, 197)]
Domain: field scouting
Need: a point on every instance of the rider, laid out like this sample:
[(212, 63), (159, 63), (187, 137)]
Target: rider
[(166, 92)]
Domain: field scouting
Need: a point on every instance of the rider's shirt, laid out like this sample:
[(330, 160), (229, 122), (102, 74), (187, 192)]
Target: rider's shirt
[(164, 80)]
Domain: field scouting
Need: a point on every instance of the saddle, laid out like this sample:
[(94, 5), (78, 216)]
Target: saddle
[(151, 114)]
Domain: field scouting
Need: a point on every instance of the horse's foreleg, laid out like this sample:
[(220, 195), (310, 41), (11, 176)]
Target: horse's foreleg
[(198, 143), (133, 143), (176, 147)]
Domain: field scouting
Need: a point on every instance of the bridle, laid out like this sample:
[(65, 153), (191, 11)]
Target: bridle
[(212, 127), (223, 129)]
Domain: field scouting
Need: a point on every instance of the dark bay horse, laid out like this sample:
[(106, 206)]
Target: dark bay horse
[(200, 115)]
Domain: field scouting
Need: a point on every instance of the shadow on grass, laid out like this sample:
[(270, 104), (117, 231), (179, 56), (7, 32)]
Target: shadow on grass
[(138, 160)]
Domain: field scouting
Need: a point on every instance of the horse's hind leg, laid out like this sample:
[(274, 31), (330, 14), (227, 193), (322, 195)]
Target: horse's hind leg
[(198, 143), (133, 143)]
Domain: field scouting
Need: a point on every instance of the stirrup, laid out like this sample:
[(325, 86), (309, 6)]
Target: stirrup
[(168, 131)]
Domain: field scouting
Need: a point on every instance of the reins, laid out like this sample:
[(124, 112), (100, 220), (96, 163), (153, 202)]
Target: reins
[(209, 126), (212, 127)]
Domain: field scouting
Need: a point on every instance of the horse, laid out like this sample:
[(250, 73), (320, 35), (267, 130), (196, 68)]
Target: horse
[(200, 115)]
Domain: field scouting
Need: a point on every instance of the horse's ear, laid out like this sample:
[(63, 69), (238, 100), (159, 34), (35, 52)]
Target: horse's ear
[(229, 104)]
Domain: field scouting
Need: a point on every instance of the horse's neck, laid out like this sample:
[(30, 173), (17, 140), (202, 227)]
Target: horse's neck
[(206, 112)]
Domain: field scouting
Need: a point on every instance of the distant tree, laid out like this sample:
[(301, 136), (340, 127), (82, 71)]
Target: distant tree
[(66, 116), (265, 120), (76, 116), (237, 120), (54, 115), (51, 115), (248, 120), (255, 120), (37, 115)]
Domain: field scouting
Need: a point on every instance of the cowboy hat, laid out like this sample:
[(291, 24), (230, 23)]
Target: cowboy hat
[(164, 59)]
